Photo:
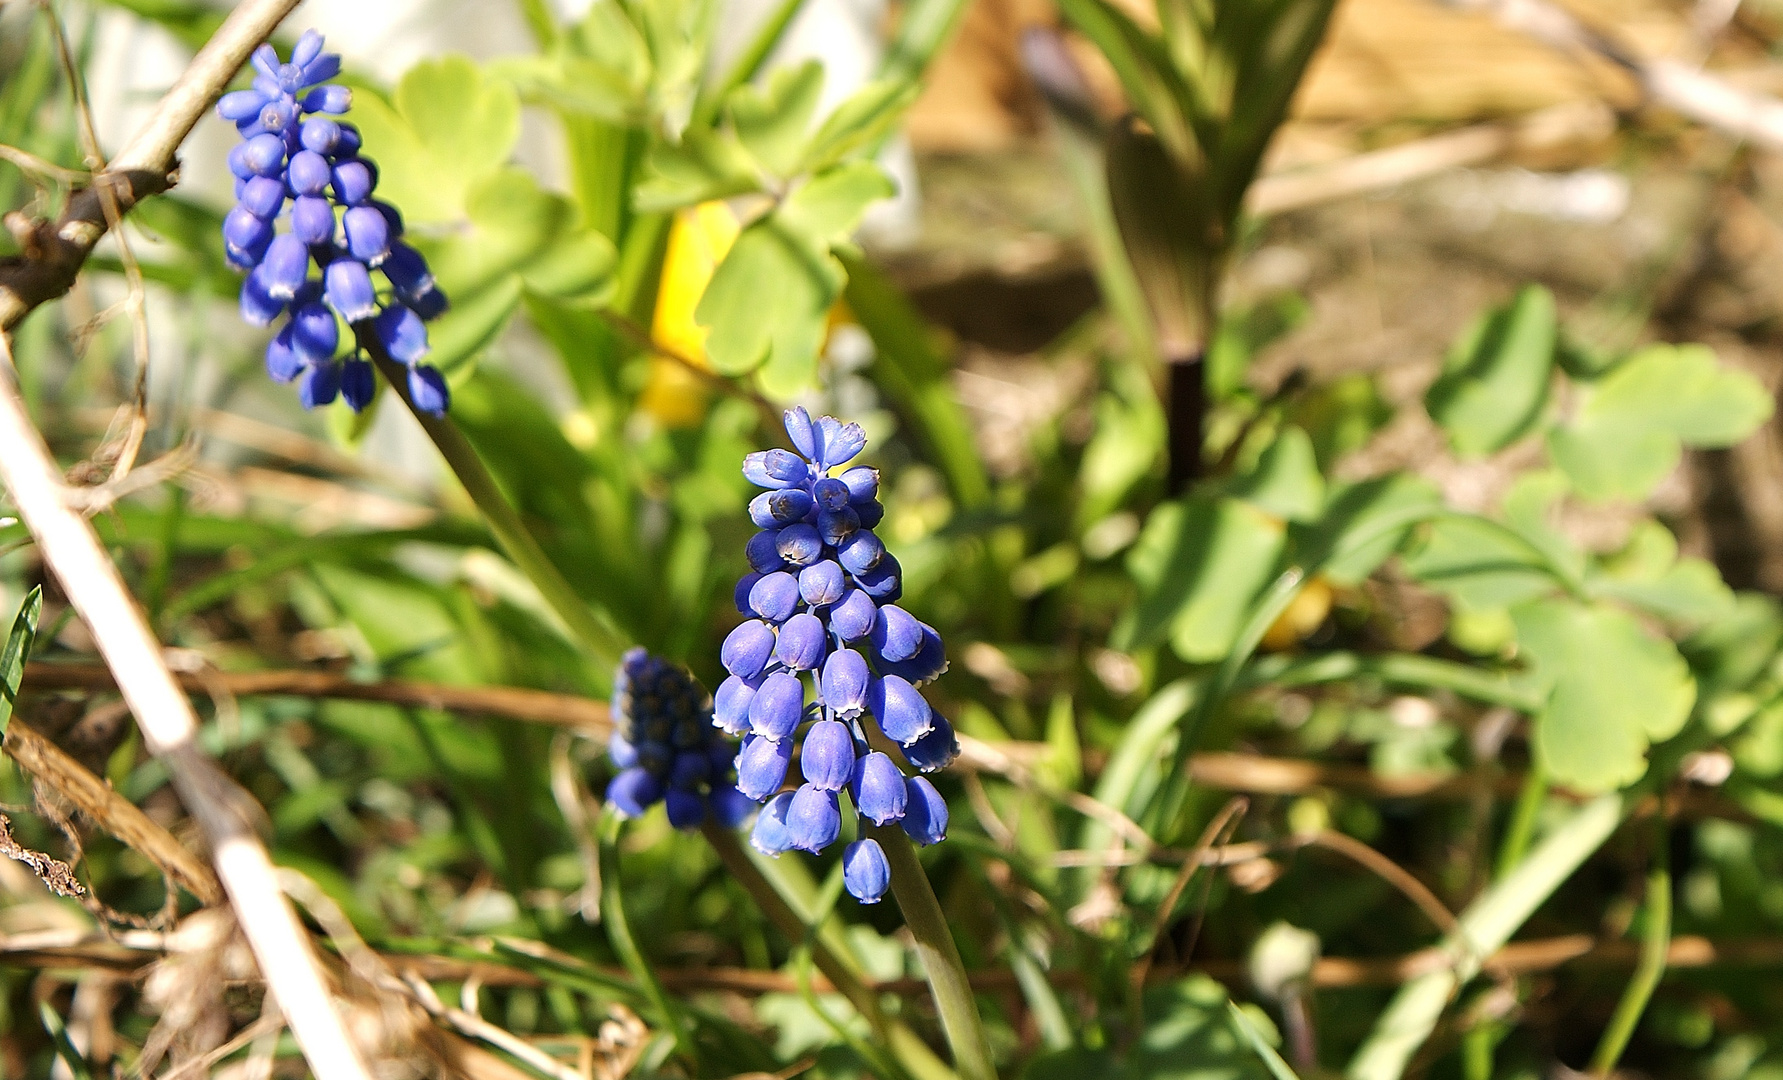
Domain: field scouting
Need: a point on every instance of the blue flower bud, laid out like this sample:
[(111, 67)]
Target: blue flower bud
[(802, 642), (830, 494), (262, 197), (897, 635), (689, 771), (428, 390), (314, 333), (359, 383), (822, 583), (775, 469), (861, 552), (937, 749), (778, 706), (368, 234), (241, 105), (775, 596), (863, 484), (286, 266), (392, 217), (763, 552), (245, 238), (827, 759), (282, 362), (265, 59), (277, 115), (312, 220), (308, 173), (729, 806), (838, 526), (740, 596), (263, 155), (407, 270), (772, 509), (799, 544), (349, 142), (321, 385), (257, 306), (854, 617), (427, 304), (839, 442), (870, 513), (771, 835), (353, 181), (620, 751), (319, 134), (902, 713), (746, 649), (925, 812), (633, 792), (800, 430), (865, 871), (730, 706), (877, 788), (402, 333), (761, 765), (328, 99), (885, 582), (928, 663), (813, 819), (308, 47), (347, 287), (845, 681), (321, 69), (686, 808)]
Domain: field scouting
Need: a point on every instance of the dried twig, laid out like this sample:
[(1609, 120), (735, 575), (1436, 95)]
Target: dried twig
[(55, 873)]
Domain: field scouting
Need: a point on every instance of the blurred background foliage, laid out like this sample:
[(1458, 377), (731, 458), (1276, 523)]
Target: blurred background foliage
[(1432, 509)]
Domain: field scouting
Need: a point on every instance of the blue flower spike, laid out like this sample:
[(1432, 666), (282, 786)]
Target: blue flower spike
[(822, 622), (667, 750), (298, 165)]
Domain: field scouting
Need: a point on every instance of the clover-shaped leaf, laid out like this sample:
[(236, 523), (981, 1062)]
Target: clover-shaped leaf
[(1495, 380), (446, 128)]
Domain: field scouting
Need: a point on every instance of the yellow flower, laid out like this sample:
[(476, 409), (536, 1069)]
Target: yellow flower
[(699, 237), (1305, 614)]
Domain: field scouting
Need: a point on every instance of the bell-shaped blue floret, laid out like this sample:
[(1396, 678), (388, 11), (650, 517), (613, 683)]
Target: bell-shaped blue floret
[(762, 765), (282, 362), (262, 197), (321, 69), (347, 287), (359, 384), (402, 333), (263, 155), (814, 819), (428, 304), (838, 442), (830, 494), (257, 306), (800, 544), (855, 616), (869, 512), (320, 386), (730, 706), (763, 552), (729, 807), (844, 684), (746, 649), (407, 270), (778, 706), (240, 105), (740, 595), (620, 750), (885, 582), (328, 99), (245, 238), (308, 173), (802, 642), (925, 812), (865, 871), (862, 482), (902, 713), (775, 596), (686, 808), (837, 527), (775, 469), (772, 509), (937, 749), (801, 431), (285, 268), (928, 663), (771, 835), (312, 220), (428, 390), (632, 792), (897, 635), (319, 134), (314, 333), (353, 181), (878, 788), (827, 759), (368, 234), (822, 583), (861, 552)]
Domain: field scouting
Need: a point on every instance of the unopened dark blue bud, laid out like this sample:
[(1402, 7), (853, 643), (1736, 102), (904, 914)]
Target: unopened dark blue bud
[(837, 526), (865, 871), (830, 494), (428, 390), (855, 616), (282, 361), (775, 596), (632, 792), (814, 819), (897, 635), (402, 333), (802, 642), (689, 771), (746, 649), (884, 582), (936, 750), (878, 789), (321, 385), (775, 469), (925, 812), (800, 544), (902, 713), (870, 513), (762, 765), (257, 305), (427, 304), (309, 173), (763, 552), (328, 99), (772, 509), (686, 808), (407, 270), (845, 683), (827, 759), (771, 836), (741, 594), (778, 706), (729, 806), (263, 155), (862, 483), (822, 583), (314, 333), (245, 238), (861, 552)]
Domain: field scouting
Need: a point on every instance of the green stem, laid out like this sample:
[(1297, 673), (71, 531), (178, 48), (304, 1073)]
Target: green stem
[(939, 955), (1522, 827), (911, 1052), (619, 932), (1656, 940), (712, 97), (1396, 669), (595, 632)]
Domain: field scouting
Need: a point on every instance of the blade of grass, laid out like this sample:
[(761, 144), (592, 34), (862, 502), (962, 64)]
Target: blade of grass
[(18, 650)]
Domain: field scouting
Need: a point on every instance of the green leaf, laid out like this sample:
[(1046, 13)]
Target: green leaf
[(1495, 380), (1627, 434), (1286, 481), (468, 326), (1199, 564), (66, 1051), (772, 122), (860, 121), (17, 651), (1357, 531), (446, 128), (704, 165), (1648, 574), (1612, 689)]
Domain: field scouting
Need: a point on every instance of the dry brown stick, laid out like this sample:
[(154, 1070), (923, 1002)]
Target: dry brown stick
[(110, 811)]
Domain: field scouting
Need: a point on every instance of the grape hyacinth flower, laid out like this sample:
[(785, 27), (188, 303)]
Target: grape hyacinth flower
[(300, 166), (822, 600), (666, 749)]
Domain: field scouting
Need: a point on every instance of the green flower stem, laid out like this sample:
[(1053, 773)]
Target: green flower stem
[(905, 1045), (1522, 827), (619, 932), (940, 956), (1656, 941), (593, 631), (1396, 669)]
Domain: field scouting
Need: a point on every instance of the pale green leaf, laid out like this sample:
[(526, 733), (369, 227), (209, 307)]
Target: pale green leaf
[(446, 128), (859, 121), (1494, 383), (829, 206), (1200, 564), (772, 122), (768, 301), (1286, 481)]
